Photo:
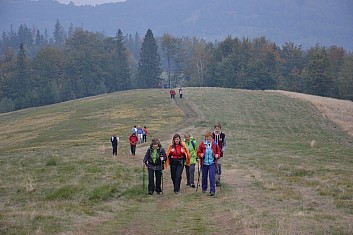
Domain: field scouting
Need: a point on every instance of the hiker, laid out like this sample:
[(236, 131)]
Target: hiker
[(145, 133), (154, 160), (172, 94), (115, 141), (192, 145), (133, 141), (139, 134), (209, 152), (178, 155), (181, 93), (134, 129), (220, 138)]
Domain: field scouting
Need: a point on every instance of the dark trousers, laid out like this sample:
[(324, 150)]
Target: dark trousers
[(133, 149), (209, 171), (151, 186), (115, 149), (144, 138), (190, 174), (176, 171)]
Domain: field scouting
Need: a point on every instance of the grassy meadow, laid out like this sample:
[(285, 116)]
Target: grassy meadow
[(287, 169)]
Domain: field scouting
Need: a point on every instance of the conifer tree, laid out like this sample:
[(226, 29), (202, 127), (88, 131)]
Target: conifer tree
[(149, 63)]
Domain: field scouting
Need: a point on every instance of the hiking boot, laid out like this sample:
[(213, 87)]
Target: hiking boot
[(150, 193), (159, 193), (192, 186), (211, 194)]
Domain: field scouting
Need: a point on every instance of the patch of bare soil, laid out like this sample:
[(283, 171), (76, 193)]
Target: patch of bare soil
[(338, 111)]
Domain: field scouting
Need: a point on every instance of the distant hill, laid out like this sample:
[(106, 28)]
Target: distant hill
[(306, 22)]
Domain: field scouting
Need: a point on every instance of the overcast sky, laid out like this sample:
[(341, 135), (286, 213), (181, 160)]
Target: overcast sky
[(89, 2)]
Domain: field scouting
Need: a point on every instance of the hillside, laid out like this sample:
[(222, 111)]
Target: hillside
[(57, 174), (303, 22)]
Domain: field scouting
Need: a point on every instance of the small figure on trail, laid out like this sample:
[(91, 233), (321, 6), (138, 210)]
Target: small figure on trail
[(115, 142), (154, 160), (172, 94), (178, 155), (181, 93), (134, 129), (133, 142), (209, 152), (139, 134), (145, 133), (192, 145), (220, 138)]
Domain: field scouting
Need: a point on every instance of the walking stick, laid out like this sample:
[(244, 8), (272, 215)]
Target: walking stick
[(198, 175), (162, 175), (143, 177), (220, 185)]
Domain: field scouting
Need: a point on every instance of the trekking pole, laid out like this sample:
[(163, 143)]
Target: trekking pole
[(220, 185), (198, 175), (162, 175), (143, 177)]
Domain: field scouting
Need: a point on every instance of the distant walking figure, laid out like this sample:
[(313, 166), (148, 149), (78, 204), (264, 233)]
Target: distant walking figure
[(115, 142), (181, 93)]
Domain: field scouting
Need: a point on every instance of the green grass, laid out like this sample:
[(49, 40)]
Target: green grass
[(57, 174)]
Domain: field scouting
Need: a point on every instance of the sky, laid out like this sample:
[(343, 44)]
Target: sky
[(89, 2)]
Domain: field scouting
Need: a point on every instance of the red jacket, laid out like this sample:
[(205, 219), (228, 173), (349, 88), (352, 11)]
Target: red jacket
[(215, 150), (133, 139)]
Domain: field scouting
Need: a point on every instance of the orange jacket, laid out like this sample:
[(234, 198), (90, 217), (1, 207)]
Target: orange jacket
[(186, 151)]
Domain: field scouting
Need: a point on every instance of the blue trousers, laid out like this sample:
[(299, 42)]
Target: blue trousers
[(209, 171)]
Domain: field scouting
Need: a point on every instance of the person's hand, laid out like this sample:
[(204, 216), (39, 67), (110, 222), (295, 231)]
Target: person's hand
[(162, 158), (216, 156), (202, 155), (182, 150), (172, 150)]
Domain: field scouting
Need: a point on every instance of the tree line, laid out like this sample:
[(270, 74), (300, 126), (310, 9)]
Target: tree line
[(36, 69)]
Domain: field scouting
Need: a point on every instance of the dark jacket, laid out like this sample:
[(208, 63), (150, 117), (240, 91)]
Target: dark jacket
[(158, 165)]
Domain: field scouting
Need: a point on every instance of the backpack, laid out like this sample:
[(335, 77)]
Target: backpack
[(193, 144)]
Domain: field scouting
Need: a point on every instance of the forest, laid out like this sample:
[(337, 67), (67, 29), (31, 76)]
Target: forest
[(36, 69)]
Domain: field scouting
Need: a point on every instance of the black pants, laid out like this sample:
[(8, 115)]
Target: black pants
[(151, 186), (144, 138), (176, 170), (133, 149), (115, 149)]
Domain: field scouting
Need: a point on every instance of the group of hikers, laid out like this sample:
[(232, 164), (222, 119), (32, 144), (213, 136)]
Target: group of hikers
[(172, 93), (186, 153), (138, 136)]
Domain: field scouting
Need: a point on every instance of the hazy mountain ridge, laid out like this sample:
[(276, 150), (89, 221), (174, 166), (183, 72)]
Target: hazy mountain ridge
[(301, 21)]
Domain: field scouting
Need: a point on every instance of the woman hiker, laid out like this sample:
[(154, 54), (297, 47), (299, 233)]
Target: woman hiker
[(177, 156), (209, 152), (154, 160)]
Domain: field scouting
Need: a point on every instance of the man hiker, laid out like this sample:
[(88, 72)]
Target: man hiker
[(115, 141), (220, 138)]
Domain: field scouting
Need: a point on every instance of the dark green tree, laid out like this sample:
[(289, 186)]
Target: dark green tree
[(318, 80), (59, 33), (122, 74), (149, 63)]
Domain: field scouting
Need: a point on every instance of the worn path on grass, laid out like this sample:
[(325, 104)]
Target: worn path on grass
[(241, 208)]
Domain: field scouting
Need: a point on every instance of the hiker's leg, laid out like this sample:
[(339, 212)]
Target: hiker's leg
[(150, 180), (192, 174), (172, 174), (212, 173), (178, 176), (204, 177), (158, 180), (187, 170)]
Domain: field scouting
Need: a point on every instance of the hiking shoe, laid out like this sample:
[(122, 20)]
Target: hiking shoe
[(159, 193), (188, 185), (211, 194), (177, 192), (150, 193), (203, 191), (192, 186), (218, 184)]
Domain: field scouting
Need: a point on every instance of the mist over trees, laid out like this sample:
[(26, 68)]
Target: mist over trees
[(36, 69)]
